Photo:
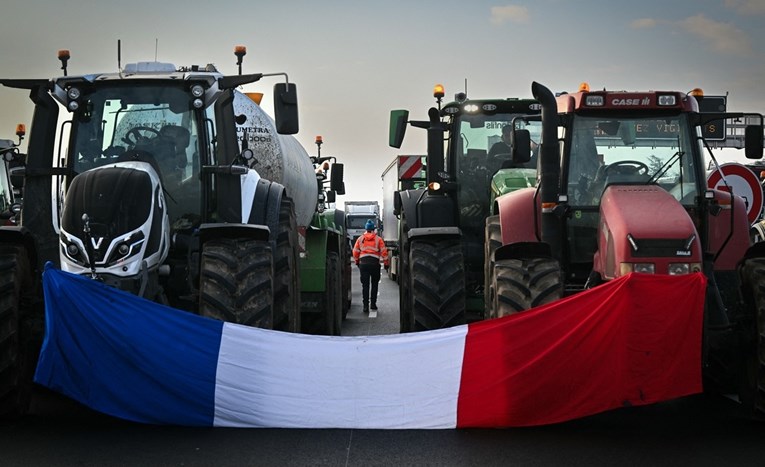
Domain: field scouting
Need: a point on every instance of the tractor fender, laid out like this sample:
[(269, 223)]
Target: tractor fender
[(231, 230), (434, 232), (729, 231), (409, 199), (425, 209), (519, 216), (523, 250), (339, 218), (266, 202)]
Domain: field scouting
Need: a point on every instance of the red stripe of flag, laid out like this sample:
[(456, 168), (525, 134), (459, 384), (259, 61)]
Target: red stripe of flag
[(633, 341)]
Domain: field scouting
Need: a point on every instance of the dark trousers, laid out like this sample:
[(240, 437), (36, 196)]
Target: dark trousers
[(370, 272)]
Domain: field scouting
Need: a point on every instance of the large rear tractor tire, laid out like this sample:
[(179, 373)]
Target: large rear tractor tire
[(236, 281), (437, 283), (286, 274), (18, 348), (753, 390), (492, 241), (523, 284)]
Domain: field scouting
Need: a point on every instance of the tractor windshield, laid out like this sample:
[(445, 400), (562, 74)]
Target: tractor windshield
[(604, 151), (482, 142), (150, 123), (477, 150)]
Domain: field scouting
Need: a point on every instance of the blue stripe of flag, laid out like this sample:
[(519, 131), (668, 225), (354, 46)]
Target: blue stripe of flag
[(126, 356)]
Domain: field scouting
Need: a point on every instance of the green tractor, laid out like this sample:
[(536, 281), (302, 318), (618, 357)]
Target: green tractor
[(442, 226), (325, 262)]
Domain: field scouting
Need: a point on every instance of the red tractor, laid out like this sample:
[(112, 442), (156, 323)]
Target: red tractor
[(622, 189)]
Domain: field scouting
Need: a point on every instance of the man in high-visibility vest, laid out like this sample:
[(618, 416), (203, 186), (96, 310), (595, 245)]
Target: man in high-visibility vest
[(369, 251)]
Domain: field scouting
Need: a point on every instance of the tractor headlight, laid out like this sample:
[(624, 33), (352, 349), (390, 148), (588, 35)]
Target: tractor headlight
[(73, 93), (73, 98), (72, 250), (676, 269), (123, 249), (667, 100), (594, 100), (645, 268), (197, 94), (197, 90)]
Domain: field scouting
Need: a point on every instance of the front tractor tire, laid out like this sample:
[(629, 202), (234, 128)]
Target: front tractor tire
[(437, 283), (18, 348), (236, 283), (522, 284)]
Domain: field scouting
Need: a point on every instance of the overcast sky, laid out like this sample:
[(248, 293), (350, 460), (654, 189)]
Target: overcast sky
[(354, 61)]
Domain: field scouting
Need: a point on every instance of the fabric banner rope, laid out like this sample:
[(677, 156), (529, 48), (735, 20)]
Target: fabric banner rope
[(633, 341)]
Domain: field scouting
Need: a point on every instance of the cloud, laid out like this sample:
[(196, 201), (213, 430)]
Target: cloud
[(643, 23), (746, 7), (509, 13), (723, 37)]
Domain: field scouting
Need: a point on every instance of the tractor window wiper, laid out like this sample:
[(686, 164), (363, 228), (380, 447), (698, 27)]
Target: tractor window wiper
[(663, 169)]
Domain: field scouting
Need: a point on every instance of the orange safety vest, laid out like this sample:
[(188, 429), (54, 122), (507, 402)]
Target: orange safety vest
[(369, 244)]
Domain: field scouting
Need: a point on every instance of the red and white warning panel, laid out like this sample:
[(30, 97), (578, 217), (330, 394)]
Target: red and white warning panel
[(410, 167), (743, 182)]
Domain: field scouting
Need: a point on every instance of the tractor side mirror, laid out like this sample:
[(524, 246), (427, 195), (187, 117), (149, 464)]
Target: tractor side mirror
[(331, 196), (396, 203), (520, 141), (17, 177), (336, 179), (398, 121), (753, 136), (286, 108)]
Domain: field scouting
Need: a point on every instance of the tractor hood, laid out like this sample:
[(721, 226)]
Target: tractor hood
[(644, 224), (125, 210)]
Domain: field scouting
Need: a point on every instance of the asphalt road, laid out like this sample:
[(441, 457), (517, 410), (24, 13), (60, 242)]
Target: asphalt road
[(384, 321), (694, 431)]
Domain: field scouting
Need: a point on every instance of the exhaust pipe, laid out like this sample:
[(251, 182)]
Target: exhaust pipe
[(549, 156)]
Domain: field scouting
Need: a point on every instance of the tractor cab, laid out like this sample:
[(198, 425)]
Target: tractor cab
[(610, 152)]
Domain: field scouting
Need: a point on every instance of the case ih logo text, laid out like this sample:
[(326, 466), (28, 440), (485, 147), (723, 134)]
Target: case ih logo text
[(623, 101)]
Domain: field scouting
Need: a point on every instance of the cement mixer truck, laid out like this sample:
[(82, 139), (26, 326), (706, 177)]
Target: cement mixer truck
[(162, 181)]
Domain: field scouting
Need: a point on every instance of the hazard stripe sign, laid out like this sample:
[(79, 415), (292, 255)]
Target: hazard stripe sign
[(409, 167)]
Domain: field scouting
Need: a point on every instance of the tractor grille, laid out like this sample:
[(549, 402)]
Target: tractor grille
[(661, 248)]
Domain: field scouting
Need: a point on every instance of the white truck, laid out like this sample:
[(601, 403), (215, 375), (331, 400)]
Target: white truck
[(357, 213), (404, 172)]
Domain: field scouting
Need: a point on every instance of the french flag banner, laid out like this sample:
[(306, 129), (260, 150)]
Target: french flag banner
[(632, 341)]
